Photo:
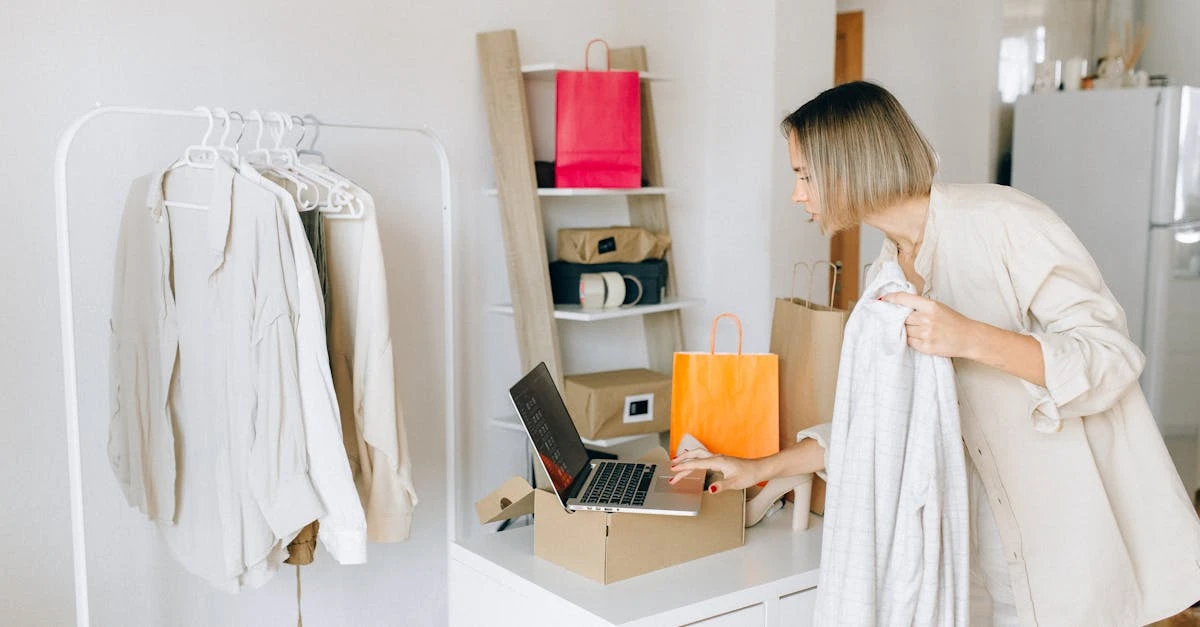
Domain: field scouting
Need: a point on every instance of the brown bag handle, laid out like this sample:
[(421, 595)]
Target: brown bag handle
[(811, 267), (712, 339), (587, 55)]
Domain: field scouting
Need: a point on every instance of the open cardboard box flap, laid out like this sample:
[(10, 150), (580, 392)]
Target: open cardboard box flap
[(609, 547), (514, 498)]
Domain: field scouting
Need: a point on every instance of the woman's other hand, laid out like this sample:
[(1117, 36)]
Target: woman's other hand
[(934, 328), (737, 473)]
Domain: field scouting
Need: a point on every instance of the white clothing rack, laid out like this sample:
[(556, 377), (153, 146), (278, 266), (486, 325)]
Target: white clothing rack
[(70, 392)]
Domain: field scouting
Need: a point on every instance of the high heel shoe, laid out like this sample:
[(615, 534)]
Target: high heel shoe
[(759, 501)]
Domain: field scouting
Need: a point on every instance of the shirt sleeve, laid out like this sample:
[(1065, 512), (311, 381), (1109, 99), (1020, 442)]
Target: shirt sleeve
[(392, 495), (1090, 360), (141, 441), (821, 433), (278, 467)]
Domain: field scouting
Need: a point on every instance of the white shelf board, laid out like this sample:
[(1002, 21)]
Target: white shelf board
[(554, 192), (512, 423), (577, 313), (547, 71)]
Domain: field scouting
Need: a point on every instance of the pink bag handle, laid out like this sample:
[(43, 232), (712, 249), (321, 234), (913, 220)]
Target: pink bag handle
[(587, 54), (712, 340)]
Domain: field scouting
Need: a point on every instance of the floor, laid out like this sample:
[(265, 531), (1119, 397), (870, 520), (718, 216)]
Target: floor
[(1183, 451)]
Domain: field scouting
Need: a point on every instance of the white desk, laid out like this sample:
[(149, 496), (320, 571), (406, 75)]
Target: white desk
[(771, 581)]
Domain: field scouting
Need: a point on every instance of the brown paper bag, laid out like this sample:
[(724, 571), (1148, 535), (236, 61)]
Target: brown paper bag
[(808, 339)]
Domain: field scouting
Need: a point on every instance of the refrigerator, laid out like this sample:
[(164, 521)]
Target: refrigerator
[(1122, 168)]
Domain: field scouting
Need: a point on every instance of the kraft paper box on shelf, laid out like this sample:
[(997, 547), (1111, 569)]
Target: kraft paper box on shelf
[(618, 403), (610, 547), (630, 244)]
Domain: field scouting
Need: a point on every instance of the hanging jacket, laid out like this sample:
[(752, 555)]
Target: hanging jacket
[(895, 547)]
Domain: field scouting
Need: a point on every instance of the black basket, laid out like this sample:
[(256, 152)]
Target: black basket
[(564, 280)]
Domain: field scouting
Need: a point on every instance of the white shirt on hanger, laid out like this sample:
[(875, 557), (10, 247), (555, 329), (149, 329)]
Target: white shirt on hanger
[(206, 312), (343, 528)]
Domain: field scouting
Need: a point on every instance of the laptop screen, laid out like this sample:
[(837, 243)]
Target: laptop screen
[(541, 408)]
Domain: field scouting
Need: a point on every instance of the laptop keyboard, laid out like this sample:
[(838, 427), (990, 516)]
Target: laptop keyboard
[(619, 483)]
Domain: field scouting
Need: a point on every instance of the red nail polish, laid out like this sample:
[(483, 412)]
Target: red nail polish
[(712, 488)]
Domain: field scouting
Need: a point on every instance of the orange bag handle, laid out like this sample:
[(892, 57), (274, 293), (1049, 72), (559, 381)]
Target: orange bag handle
[(587, 53), (712, 339)]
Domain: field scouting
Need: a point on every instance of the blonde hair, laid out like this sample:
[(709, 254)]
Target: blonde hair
[(863, 152)]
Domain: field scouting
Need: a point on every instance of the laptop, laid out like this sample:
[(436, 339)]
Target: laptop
[(600, 485)]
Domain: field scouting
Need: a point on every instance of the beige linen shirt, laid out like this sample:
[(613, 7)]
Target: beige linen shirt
[(360, 352), (206, 435), (1096, 526)]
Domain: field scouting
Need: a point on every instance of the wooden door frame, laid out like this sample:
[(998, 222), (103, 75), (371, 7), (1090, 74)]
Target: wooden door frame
[(847, 67)]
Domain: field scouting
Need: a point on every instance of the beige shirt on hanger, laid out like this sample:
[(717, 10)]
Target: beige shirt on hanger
[(205, 348), (360, 350), (1096, 526)]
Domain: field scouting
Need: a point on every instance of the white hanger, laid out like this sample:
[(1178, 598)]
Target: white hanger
[(339, 200), (230, 153), (237, 141), (285, 161), (259, 154), (312, 145), (261, 158), (200, 156)]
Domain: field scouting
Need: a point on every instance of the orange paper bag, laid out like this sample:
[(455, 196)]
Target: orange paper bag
[(728, 401)]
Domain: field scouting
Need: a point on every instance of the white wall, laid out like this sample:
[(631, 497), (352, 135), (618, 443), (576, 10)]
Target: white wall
[(804, 39), (940, 60), (1173, 48), (763, 61), (372, 62)]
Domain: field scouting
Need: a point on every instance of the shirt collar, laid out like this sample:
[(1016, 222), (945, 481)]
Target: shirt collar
[(220, 206), (924, 260)]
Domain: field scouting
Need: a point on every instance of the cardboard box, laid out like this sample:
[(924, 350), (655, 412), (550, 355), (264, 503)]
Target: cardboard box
[(618, 403), (610, 547)]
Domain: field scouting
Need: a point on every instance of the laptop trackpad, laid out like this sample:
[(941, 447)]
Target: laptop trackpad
[(687, 485)]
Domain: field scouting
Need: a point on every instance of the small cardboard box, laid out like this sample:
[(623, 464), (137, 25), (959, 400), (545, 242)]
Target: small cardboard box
[(618, 403), (610, 547)]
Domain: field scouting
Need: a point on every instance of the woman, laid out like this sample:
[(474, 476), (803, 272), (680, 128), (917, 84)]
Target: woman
[(1078, 515)]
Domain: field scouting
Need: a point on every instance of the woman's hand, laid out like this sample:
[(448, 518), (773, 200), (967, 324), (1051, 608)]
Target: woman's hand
[(737, 473), (934, 328)]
